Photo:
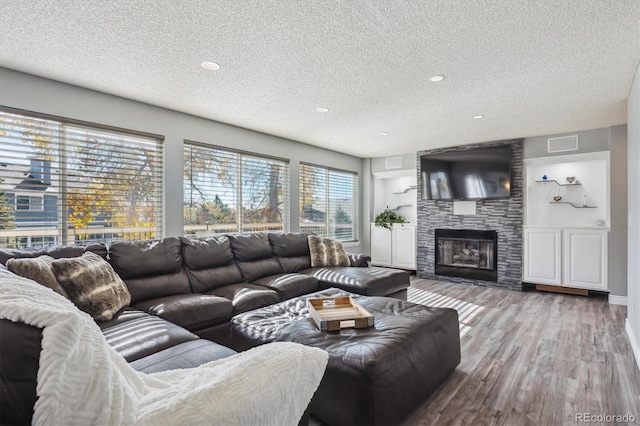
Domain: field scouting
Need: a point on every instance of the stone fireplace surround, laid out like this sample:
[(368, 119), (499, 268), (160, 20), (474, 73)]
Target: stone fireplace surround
[(503, 216)]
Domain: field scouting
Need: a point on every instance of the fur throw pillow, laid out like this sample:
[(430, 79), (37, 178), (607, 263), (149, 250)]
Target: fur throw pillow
[(92, 285), (327, 252), (37, 269)]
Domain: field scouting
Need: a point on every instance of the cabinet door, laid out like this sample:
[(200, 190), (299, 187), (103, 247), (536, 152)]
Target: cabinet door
[(542, 256), (585, 254), (380, 246), (403, 246)]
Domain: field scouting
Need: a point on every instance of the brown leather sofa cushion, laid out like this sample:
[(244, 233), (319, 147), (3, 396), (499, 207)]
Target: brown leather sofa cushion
[(135, 334), (289, 285), (372, 281), (191, 311), (292, 250), (246, 297), (254, 256), (151, 269), (185, 355), (209, 263)]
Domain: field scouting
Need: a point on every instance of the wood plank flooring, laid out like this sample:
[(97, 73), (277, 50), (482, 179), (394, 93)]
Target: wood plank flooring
[(531, 358)]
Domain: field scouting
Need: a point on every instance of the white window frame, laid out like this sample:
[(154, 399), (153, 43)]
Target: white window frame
[(355, 225), (31, 206)]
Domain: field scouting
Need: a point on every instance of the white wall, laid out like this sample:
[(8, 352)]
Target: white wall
[(24, 91), (588, 141), (618, 212), (633, 240), (408, 162)]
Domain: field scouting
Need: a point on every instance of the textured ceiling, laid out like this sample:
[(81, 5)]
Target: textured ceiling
[(530, 67)]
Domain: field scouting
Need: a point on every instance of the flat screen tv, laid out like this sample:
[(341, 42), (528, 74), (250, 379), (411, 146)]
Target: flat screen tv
[(473, 174)]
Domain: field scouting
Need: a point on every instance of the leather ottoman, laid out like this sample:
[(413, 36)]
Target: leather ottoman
[(375, 375)]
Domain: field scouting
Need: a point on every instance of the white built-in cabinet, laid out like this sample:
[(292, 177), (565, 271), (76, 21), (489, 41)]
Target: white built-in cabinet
[(543, 256), (395, 248), (403, 246), (567, 214), (585, 258), (380, 246), (568, 257)]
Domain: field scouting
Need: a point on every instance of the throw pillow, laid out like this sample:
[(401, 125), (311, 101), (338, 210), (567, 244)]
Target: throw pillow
[(327, 252), (92, 285), (37, 269)]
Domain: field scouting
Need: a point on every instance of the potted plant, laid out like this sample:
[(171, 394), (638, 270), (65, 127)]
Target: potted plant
[(389, 217)]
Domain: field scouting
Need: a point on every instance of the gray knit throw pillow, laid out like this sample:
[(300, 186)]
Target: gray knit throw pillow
[(327, 252), (92, 285)]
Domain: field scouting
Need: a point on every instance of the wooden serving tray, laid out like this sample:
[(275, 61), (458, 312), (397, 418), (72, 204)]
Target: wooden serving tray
[(336, 313)]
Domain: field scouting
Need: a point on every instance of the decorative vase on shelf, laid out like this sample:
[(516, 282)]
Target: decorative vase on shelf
[(544, 177)]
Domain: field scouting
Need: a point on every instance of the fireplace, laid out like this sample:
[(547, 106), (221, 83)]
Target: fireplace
[(467, 254)]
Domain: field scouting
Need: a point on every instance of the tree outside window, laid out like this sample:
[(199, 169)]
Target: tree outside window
[(228, 191), (98, 184)]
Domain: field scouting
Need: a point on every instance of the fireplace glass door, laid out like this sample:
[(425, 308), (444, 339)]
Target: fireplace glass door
[(466, 253)]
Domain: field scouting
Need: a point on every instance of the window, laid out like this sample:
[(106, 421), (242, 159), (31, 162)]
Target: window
[(329, 202), (230, 191), (92, 183), (29, 202)]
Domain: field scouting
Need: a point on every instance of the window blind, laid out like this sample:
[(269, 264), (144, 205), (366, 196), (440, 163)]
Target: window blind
[(67, 183), (229, 191), (329, 202)]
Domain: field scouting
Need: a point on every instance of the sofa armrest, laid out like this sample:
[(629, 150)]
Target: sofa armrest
[(20, 346), (358, 259)]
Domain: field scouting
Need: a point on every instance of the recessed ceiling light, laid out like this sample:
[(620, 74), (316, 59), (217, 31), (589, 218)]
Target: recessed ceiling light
[(384, 133), (477, 117), (211, 66), (322, 109), (437, 78)]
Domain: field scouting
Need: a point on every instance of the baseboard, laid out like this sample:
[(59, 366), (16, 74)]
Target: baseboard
[(618, 300), (565, 290), (634, 343)]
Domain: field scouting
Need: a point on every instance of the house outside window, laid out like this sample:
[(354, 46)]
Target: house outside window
[(69, 182), (329, 202), (229, 191)]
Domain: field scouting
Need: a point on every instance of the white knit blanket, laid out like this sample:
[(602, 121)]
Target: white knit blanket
[(82, 380)]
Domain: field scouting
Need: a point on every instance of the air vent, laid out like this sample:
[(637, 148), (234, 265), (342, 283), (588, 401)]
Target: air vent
[(393, 163), (564, 143)]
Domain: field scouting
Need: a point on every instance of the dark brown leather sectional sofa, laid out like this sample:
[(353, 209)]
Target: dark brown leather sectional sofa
[(183, 293)]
